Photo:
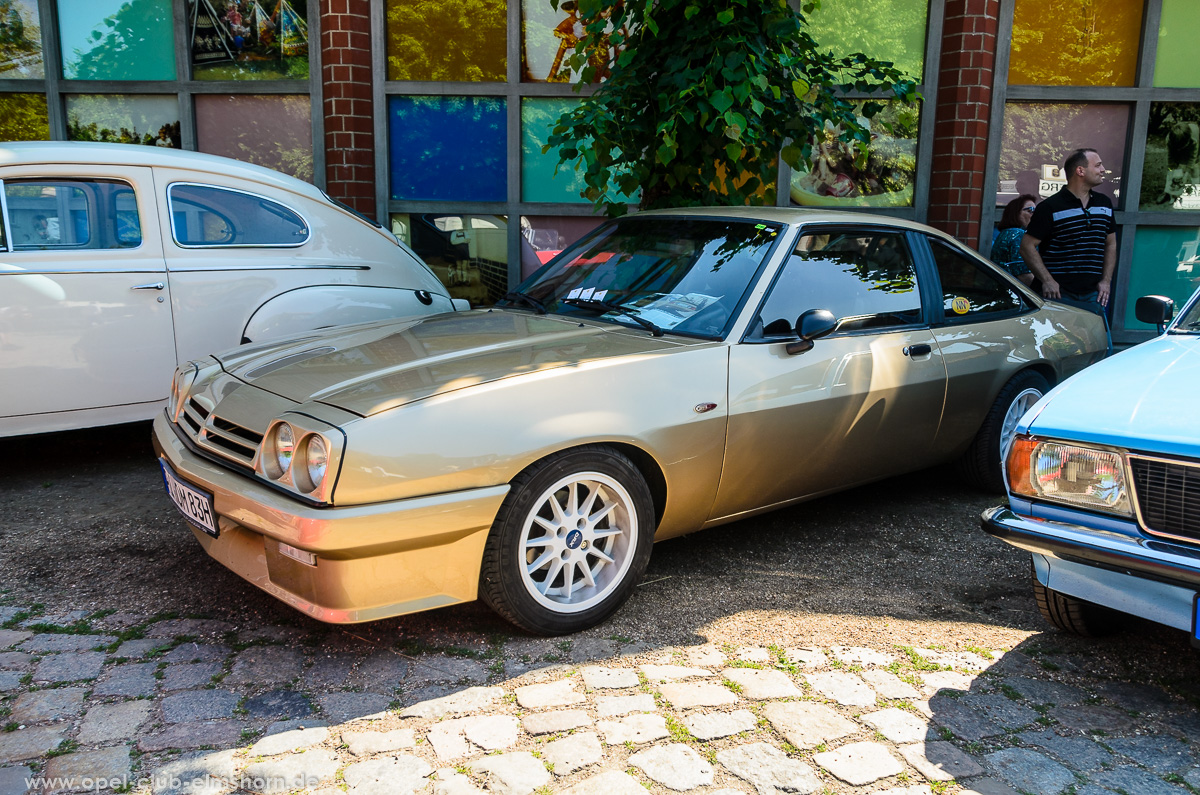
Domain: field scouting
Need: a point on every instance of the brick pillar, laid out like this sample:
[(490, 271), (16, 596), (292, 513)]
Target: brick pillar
[(349, 122), (960, 135)]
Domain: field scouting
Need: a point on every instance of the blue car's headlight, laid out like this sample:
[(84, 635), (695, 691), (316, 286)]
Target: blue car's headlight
[(1083, 477)]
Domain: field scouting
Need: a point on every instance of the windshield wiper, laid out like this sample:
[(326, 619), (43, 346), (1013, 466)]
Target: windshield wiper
[(525, 298), (632, 314)]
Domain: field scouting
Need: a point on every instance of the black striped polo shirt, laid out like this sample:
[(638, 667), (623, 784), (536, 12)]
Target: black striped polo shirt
[(1073, 238)]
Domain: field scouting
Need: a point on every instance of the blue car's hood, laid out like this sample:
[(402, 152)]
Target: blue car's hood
[(1146, 398)]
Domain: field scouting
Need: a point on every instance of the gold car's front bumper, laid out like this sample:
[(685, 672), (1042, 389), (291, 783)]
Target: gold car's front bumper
[(371, 561)]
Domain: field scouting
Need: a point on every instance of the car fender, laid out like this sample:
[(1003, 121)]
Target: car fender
[(321, 306)]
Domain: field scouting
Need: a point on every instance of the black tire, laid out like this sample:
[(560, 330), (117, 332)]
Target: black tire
[(982, 465), (539, 598), (1074, 615)]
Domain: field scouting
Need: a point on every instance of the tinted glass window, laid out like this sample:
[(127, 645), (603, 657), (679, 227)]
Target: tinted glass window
[(866, 279), (971, 290), (63, 214), (202, 215)]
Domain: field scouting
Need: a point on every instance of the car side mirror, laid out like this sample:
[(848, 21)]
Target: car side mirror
[(1156, 310), (811, 325)]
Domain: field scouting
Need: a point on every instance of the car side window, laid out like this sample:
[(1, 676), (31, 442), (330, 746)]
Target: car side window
[(71, 214), (204, 215), (865, 278), (971, 291)]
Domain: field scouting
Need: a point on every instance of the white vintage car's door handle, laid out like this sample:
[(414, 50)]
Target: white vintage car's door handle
[(151, 286)]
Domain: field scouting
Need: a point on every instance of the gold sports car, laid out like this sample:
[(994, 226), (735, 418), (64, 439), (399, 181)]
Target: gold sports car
[(674, 370)]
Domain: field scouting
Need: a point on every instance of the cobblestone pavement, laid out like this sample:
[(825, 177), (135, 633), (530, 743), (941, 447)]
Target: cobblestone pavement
[(167, 704)]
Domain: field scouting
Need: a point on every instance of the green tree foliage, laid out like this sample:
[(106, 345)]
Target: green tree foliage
[(23, 117), (20, 42), (701, 96), (1074, 42), (460, 40), (136, 40)]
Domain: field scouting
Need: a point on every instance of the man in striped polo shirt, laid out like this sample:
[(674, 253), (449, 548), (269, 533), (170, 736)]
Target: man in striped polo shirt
[(1071, 242)]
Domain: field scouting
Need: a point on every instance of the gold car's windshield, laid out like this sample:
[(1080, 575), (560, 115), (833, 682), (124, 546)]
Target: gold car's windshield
[(678, 275)]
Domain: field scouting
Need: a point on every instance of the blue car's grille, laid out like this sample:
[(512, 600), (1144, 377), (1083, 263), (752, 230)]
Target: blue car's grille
[(1168, 496)]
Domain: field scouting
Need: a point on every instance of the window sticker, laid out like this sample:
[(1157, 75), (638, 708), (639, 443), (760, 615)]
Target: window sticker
[(961, 306)]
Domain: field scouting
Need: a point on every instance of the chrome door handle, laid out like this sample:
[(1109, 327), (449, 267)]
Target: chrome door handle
[(917, 350), (151, 286)]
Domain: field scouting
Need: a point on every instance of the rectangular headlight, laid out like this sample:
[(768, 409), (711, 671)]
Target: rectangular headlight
[(1083, 477)]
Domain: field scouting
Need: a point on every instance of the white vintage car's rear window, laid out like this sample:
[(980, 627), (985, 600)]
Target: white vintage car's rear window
[(70, 214), (205, 215)]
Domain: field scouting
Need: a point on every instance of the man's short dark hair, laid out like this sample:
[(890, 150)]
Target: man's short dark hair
[(1074, 160)]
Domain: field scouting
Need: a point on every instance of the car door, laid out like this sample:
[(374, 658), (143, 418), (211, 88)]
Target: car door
[(984, 329), (865, 402), (85, 312)]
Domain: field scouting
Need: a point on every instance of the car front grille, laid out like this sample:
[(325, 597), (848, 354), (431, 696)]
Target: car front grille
[(1168, 496), (233, 442)]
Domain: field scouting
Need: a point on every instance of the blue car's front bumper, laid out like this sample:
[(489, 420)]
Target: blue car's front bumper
[(1157, 580)]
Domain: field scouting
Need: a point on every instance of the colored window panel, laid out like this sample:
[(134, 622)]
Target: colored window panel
[(1178, 32), (23, 117), (124, 119), (448, 148), (447, 40), (469, 253), (544, 236), (548, 39), (1167, 263), (890, 30), (835, 177), (539, 182), (1038, 137), (271, 131), (20, 40), (1075, 42), (117, 39), (248, 39), (1171, 169)]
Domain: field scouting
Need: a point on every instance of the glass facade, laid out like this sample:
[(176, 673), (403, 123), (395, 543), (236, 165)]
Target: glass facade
[(183, 74), (1075, 42), (1178, 32), (1168, 263), (447, 148), (418, 32)]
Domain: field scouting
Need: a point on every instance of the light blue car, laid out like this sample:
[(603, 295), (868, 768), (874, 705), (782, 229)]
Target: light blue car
[(1103, 477)]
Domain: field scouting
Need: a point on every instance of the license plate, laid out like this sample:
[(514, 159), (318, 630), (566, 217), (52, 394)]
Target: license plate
[(193, 503)]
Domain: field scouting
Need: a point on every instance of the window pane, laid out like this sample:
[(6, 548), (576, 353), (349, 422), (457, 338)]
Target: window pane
[(469, 253), (23, 117), (20, 40), (448, 148), (548, 39), (539, 183), (1075, 42), (62, 214), (867, 280), (117, 39), (544, 236), (124, 119), (248, 39), (202, 215), (1038, 137), (834, 178), (891, 30), (447, 40), (274, 131), (1171, 170), (970, 292), (1168, 263), (1178, 32)]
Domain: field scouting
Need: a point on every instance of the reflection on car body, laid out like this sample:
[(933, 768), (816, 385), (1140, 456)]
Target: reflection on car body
[(672, 371)]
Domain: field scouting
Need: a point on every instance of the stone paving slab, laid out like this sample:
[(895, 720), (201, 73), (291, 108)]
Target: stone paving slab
[(12, 780), (196, 773), (106, 723), (572, 753), (15, 660), (672, 673), (186, 736), (1030, 771), (769, 770), (807, 725), (11, 637), (80, 770), (10, 681), (69, 667), (761, 685), (130, 679), (940, 761), (397, 775), (714, 725), (30, 743), (636, 729), (598, 677), (859, 763), (675, 766), (688, 695), (53, 642), (844, 688), (40, 706)]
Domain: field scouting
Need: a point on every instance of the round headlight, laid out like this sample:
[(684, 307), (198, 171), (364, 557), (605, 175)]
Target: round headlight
[(285, 445), (317, 458)]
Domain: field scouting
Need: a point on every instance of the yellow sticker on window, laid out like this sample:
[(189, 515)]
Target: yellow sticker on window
[(961, 306)]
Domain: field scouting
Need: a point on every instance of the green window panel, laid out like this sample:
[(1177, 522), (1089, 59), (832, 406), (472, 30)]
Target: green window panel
[(1178, 32), (117, 39), (539, 183), (1166, 261), (124, 119), (452, 40), (891, 30), (23, 117)]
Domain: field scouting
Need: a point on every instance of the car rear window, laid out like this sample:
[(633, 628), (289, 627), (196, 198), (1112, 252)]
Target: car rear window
[(205, 215), (71, 214)]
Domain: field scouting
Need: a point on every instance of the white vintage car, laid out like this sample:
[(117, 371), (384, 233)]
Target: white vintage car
[(119, 262)]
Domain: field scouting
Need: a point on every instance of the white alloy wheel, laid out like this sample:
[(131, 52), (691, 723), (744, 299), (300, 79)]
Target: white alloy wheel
[(578, 542)]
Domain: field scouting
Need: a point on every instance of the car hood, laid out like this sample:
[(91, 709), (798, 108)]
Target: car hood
[(370, 368), (1143, 398)]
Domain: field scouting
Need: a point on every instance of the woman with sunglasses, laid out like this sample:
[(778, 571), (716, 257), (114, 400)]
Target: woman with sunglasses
[(1006, 250)]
